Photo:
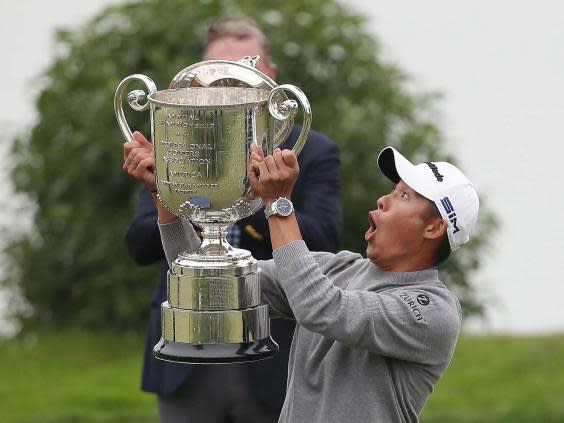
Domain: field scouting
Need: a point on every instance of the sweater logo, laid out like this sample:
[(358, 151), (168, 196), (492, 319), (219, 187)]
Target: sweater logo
[(423, 299), (413, 305)]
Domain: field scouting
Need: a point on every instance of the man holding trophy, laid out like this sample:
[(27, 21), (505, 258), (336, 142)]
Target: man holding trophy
[(373, 335), (252, 392)]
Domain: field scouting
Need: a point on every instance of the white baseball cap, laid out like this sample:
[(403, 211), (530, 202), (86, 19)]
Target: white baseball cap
[(443, 184)]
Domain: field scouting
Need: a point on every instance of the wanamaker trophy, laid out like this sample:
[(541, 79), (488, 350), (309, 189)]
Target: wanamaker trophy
[(202, 129)]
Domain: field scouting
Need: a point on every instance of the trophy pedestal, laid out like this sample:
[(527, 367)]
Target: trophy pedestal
[(214, 312)]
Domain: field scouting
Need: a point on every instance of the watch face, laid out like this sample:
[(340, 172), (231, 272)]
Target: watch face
[(283, 206)]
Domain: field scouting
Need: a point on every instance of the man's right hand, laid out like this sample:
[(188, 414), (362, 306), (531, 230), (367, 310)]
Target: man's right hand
[(138, 160)]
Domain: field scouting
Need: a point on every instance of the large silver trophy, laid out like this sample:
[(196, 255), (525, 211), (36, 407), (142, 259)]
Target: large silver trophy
[(202, 128)]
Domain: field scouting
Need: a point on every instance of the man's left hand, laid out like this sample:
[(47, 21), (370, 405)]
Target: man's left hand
[(272, 176)]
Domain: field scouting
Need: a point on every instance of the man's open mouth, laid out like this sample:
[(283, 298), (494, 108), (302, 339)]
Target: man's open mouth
[(369, 235)]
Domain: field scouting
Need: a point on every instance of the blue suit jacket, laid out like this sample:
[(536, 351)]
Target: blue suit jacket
[(317, 201)]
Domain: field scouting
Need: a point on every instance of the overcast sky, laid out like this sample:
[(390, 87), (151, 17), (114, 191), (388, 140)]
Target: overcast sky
[(500, 65)]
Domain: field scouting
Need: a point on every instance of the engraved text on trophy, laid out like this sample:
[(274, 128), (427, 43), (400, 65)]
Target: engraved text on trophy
[(201, 154)]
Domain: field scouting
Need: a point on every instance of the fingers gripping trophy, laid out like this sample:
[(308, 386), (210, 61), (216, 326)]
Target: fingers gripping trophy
[(202, 130)]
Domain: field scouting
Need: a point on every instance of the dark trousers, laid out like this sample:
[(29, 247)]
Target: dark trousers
[(214, 394)]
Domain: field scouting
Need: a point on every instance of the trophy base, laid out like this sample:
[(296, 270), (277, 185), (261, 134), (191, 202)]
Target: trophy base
[(180, 352)]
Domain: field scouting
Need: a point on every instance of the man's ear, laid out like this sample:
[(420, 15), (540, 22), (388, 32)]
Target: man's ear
[(435, 228)]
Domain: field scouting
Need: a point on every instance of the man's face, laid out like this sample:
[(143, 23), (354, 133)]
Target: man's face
[(231, 48), (395, 236)]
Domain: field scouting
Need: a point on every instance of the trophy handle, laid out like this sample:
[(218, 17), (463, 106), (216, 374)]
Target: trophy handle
[(133, 98), (287, 110)]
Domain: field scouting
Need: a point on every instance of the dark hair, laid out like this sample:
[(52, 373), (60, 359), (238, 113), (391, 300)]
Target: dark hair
[(443, 250), (241, 28)]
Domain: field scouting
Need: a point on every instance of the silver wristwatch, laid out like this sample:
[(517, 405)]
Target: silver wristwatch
[(281, 207)]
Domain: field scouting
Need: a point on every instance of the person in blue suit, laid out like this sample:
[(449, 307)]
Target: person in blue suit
[(249, 392)]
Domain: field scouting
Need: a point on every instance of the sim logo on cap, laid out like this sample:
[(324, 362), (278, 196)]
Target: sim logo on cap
[(449, 210)]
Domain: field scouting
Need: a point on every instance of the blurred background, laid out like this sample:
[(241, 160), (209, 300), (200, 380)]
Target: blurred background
[(478, 83)]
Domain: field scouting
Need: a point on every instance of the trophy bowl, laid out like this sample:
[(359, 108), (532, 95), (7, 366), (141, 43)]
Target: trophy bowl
[(202, 145)]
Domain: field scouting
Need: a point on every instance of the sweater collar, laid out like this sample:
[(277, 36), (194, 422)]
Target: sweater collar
[(430, 274)]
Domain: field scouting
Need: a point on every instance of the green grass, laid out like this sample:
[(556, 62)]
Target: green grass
[(501, 379), (73, 377), (81, 377)]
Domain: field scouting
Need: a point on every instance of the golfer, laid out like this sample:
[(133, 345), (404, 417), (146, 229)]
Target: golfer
[(373, 335)]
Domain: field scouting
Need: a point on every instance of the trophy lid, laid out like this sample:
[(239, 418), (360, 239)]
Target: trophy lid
[(223, 73), (226, 73)]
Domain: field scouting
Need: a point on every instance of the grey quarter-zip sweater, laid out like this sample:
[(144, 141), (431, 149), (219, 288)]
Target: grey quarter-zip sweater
[(369, 345)]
